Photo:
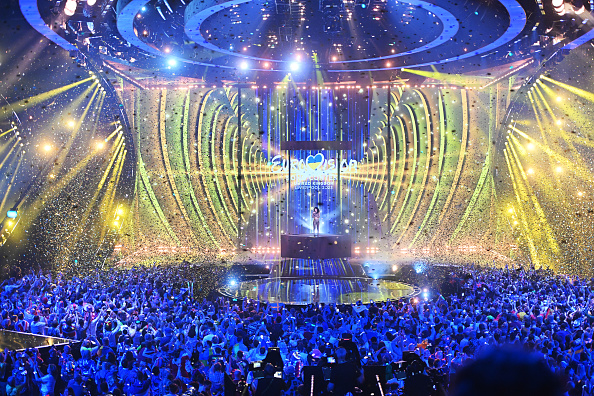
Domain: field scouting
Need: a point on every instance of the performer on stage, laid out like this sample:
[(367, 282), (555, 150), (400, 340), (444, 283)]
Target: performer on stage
[(316, 220)]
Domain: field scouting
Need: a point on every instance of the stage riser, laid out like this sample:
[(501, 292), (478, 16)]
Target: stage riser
[(307, 246)]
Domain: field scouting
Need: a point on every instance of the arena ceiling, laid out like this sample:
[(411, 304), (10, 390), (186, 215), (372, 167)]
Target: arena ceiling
[(325, 40)]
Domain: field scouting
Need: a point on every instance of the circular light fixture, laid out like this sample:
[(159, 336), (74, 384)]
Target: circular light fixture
[(70, 8), (294, 66)]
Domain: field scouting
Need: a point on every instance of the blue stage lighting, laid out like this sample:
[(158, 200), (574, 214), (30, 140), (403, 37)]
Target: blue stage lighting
[(243, 65), (171, 62), (294, 66), (232, 283), (12, 213), (363, 5)]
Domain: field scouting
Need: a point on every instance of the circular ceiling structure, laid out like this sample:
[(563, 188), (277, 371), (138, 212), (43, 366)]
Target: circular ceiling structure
[(335, 36)]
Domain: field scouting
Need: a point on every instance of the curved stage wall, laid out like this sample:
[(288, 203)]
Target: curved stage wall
[(436, 198), (498, 174)]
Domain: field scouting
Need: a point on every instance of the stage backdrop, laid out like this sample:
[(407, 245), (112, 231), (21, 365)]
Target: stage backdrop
[(417, 178)]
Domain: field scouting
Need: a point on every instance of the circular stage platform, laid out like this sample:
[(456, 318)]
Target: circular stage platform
[(307, 290)]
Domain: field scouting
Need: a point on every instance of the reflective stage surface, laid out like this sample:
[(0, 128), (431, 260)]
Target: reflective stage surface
[(305, 281), (320, 289)]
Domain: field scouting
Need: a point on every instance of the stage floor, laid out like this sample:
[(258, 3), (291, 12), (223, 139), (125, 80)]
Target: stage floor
[(306, 281), (320, 289)]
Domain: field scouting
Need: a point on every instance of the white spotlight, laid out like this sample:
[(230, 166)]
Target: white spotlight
[(70, 7)]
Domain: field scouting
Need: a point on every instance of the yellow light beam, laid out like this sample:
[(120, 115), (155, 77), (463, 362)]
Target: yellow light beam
[(98, 111), (524, 222), (111, 135), (14, 145), (538, 120), (8, 131), (65, 152), (581, 171), (37, 205), (544, 224), (75, 235), (11, 183), (34, 100), (117, 179), (106, 202), (457, 79), (579, 92)]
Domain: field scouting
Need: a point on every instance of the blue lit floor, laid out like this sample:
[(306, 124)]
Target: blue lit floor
[(301, 282)]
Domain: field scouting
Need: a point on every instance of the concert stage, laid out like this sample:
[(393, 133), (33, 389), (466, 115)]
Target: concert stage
[(303, 291), (317, 269)]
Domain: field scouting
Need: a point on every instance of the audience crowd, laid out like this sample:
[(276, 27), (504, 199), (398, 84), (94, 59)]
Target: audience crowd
[(141, 332)]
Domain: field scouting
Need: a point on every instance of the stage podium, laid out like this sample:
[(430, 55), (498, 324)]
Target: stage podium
[(309, 246)]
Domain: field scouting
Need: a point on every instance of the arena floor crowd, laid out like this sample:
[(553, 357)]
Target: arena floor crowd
[(139, 335)]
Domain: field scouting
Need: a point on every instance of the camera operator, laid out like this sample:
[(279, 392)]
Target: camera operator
[(350, 346), (345, 375), (417, 383), (272, 384)]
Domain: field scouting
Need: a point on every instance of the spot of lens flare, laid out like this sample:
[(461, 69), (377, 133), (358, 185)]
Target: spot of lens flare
[(559, 98), (47, 147), (71, 123), (558, 122), (511, 210), (530, 146), (100, 145), (530, 171), (559, 169)]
